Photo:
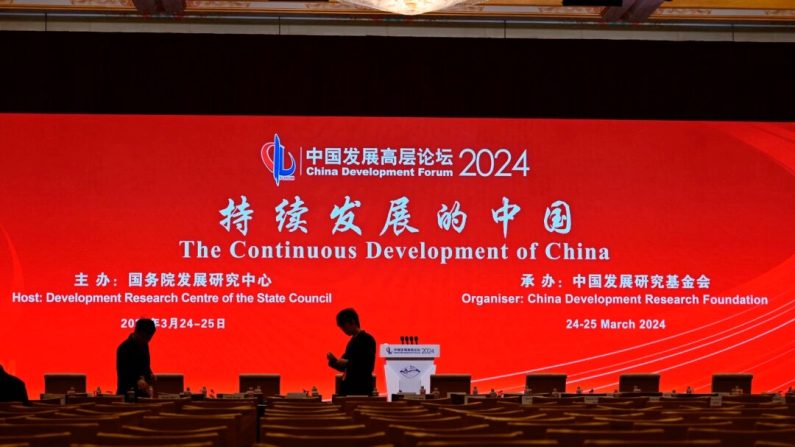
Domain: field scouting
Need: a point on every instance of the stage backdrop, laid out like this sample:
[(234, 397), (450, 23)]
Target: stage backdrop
[(593, 248)]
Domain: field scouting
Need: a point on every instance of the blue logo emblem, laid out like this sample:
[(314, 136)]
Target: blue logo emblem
[(410, 371), (272, 154)]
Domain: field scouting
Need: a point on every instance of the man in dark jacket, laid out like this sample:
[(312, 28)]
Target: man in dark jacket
[(358, 362), (133, 370), (12, 389)]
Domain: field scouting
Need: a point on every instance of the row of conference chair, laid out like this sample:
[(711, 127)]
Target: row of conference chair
[(269, 384), (372, 421)]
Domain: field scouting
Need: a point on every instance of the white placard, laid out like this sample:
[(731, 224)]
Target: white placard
[(409, 351), (716, 401), (591, 399), (527, 400), (408, 375)]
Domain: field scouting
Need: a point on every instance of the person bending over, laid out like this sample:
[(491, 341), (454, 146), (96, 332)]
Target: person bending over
[(12, 389), (133, 370)]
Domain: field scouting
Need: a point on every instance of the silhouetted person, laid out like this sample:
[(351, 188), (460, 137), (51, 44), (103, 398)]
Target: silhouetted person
[(358, 361), (133, 370), (12, 389)]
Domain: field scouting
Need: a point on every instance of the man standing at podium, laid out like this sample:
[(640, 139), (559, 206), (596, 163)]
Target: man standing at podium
[(358, 362)]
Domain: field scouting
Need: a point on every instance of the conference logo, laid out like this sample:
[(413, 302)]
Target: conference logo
[(274, 155), (410, 372)]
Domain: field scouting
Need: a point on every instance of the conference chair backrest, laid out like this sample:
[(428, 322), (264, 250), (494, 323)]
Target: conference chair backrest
[(646, 383), (78, 432), (307, 421), (546, 383), (128, 440), (134, 430), (106, 399), (126, 417), (155, 406), (539, 430), (179, 422), (487, 443), (726, 383), (265, 444), (451, 383), (396, 433), (678, 430), (105, 424), (399, 409), (123, 409), (436, 422), (630, 443), (269, 384), (62, 383), (575, 438), (742, 438), (772, 425), (349, 406), (270, 400), (291, 440), (411, 439), (504, 420), (223, 403), (220, 430), (339, 430), (190, 444), (41, 440), (772, 444), (276, 411), (165, 404), (247, 430), (22, 409), (304, 409)]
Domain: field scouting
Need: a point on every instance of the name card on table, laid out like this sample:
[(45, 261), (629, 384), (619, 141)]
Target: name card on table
[(409, 351), (527, 400), (716, 401), (591, 399)]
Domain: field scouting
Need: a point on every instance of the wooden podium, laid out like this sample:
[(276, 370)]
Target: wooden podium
[(408, 367)]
